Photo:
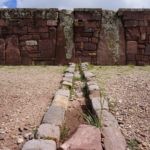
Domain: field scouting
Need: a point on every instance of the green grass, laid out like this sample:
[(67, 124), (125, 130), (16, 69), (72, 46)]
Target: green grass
[(64, 132), (92, 119)]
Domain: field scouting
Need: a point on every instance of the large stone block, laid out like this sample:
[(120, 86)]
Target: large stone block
[(39, 145), (61, 101), (48, 131), (132, 47), (86, 137), (31, 43), (55, 115), (12, 53), (2, 52), (109, 120), (113, 139)]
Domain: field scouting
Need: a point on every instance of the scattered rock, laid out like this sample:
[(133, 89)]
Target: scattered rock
[(20, 140)]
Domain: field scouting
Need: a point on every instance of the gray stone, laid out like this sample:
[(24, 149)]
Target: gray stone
[(68, 75), (31, 43), (63, 92), (113, 139), (91, 83), (88, 74), (93, 87), (68, 79), (55, 115), (66, 83), (109, 120), (39, 145), (70, 70), (48, 131)]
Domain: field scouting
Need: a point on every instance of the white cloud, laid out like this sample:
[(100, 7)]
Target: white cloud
[(2, 3), (106, 4)]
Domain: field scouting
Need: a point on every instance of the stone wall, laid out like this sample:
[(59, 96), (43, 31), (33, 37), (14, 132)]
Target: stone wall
[(52, 36), (136, 23)]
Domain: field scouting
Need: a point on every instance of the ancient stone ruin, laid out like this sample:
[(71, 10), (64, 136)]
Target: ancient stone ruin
[(52, 36)]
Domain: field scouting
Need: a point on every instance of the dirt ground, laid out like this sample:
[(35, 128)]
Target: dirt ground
[(25, 94), (128, 91)]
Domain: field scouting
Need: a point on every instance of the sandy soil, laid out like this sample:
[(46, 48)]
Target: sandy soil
[(128, 91), (25, 93)]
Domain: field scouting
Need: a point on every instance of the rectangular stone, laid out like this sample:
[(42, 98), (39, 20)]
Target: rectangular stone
[(52, 22), (31, 43), (132, 47), (48, 131), (39, 145), (55, 115), (61, 101)]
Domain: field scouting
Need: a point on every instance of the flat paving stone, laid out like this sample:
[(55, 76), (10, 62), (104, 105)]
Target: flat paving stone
[(68, 75), (109, 120), (39, 145), (63, 92), (68, 79), (93, 87), (66, 83), (60, 100), (48, 131), (113, 139), (55, 115)]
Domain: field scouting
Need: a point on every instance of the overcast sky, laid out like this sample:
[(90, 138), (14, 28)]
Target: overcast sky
[(69, 4)]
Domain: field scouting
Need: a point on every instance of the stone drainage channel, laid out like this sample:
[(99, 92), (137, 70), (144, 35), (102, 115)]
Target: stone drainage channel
[(78, 117)]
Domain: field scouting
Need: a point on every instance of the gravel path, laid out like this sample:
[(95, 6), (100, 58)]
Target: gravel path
[(25, 93), (128, 90)]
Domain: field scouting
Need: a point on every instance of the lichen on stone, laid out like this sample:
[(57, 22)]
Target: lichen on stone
[(111, 30), (67, 20)]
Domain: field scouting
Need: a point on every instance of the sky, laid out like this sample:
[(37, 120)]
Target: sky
[(70, 4)]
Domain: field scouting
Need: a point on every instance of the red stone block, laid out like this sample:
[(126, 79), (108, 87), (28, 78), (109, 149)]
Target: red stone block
[(130, 23), (141, 46), (51, 22), (47, 48), (18, 30), (132, 47), (3, 23), (130, 57), (40, 22), (25, 37), (81, 39), (2, 51), (37, 29), (35, 37), (95, 40), (139, 57), (44, 35), (132, 34), (12, 51), (89, 46), (84, 34)]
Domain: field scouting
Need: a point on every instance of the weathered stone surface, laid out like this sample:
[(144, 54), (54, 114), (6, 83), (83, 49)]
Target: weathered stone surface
[(109, 120), (2, 51), (40, 145), (67, 83), (68, 75), (86, 138), (12, 53), (31, 43), (61, 101), (93, 87), (88, 74), (132, 47), (113, 139), (70, 69), (63, 92), (68, 79), (48, 131), (54, 115)]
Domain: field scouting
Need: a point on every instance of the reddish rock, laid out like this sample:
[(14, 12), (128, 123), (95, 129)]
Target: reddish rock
[(12, 51), (85, 138), (2, 52), (52, 22), (113, 139), (132, 47)]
